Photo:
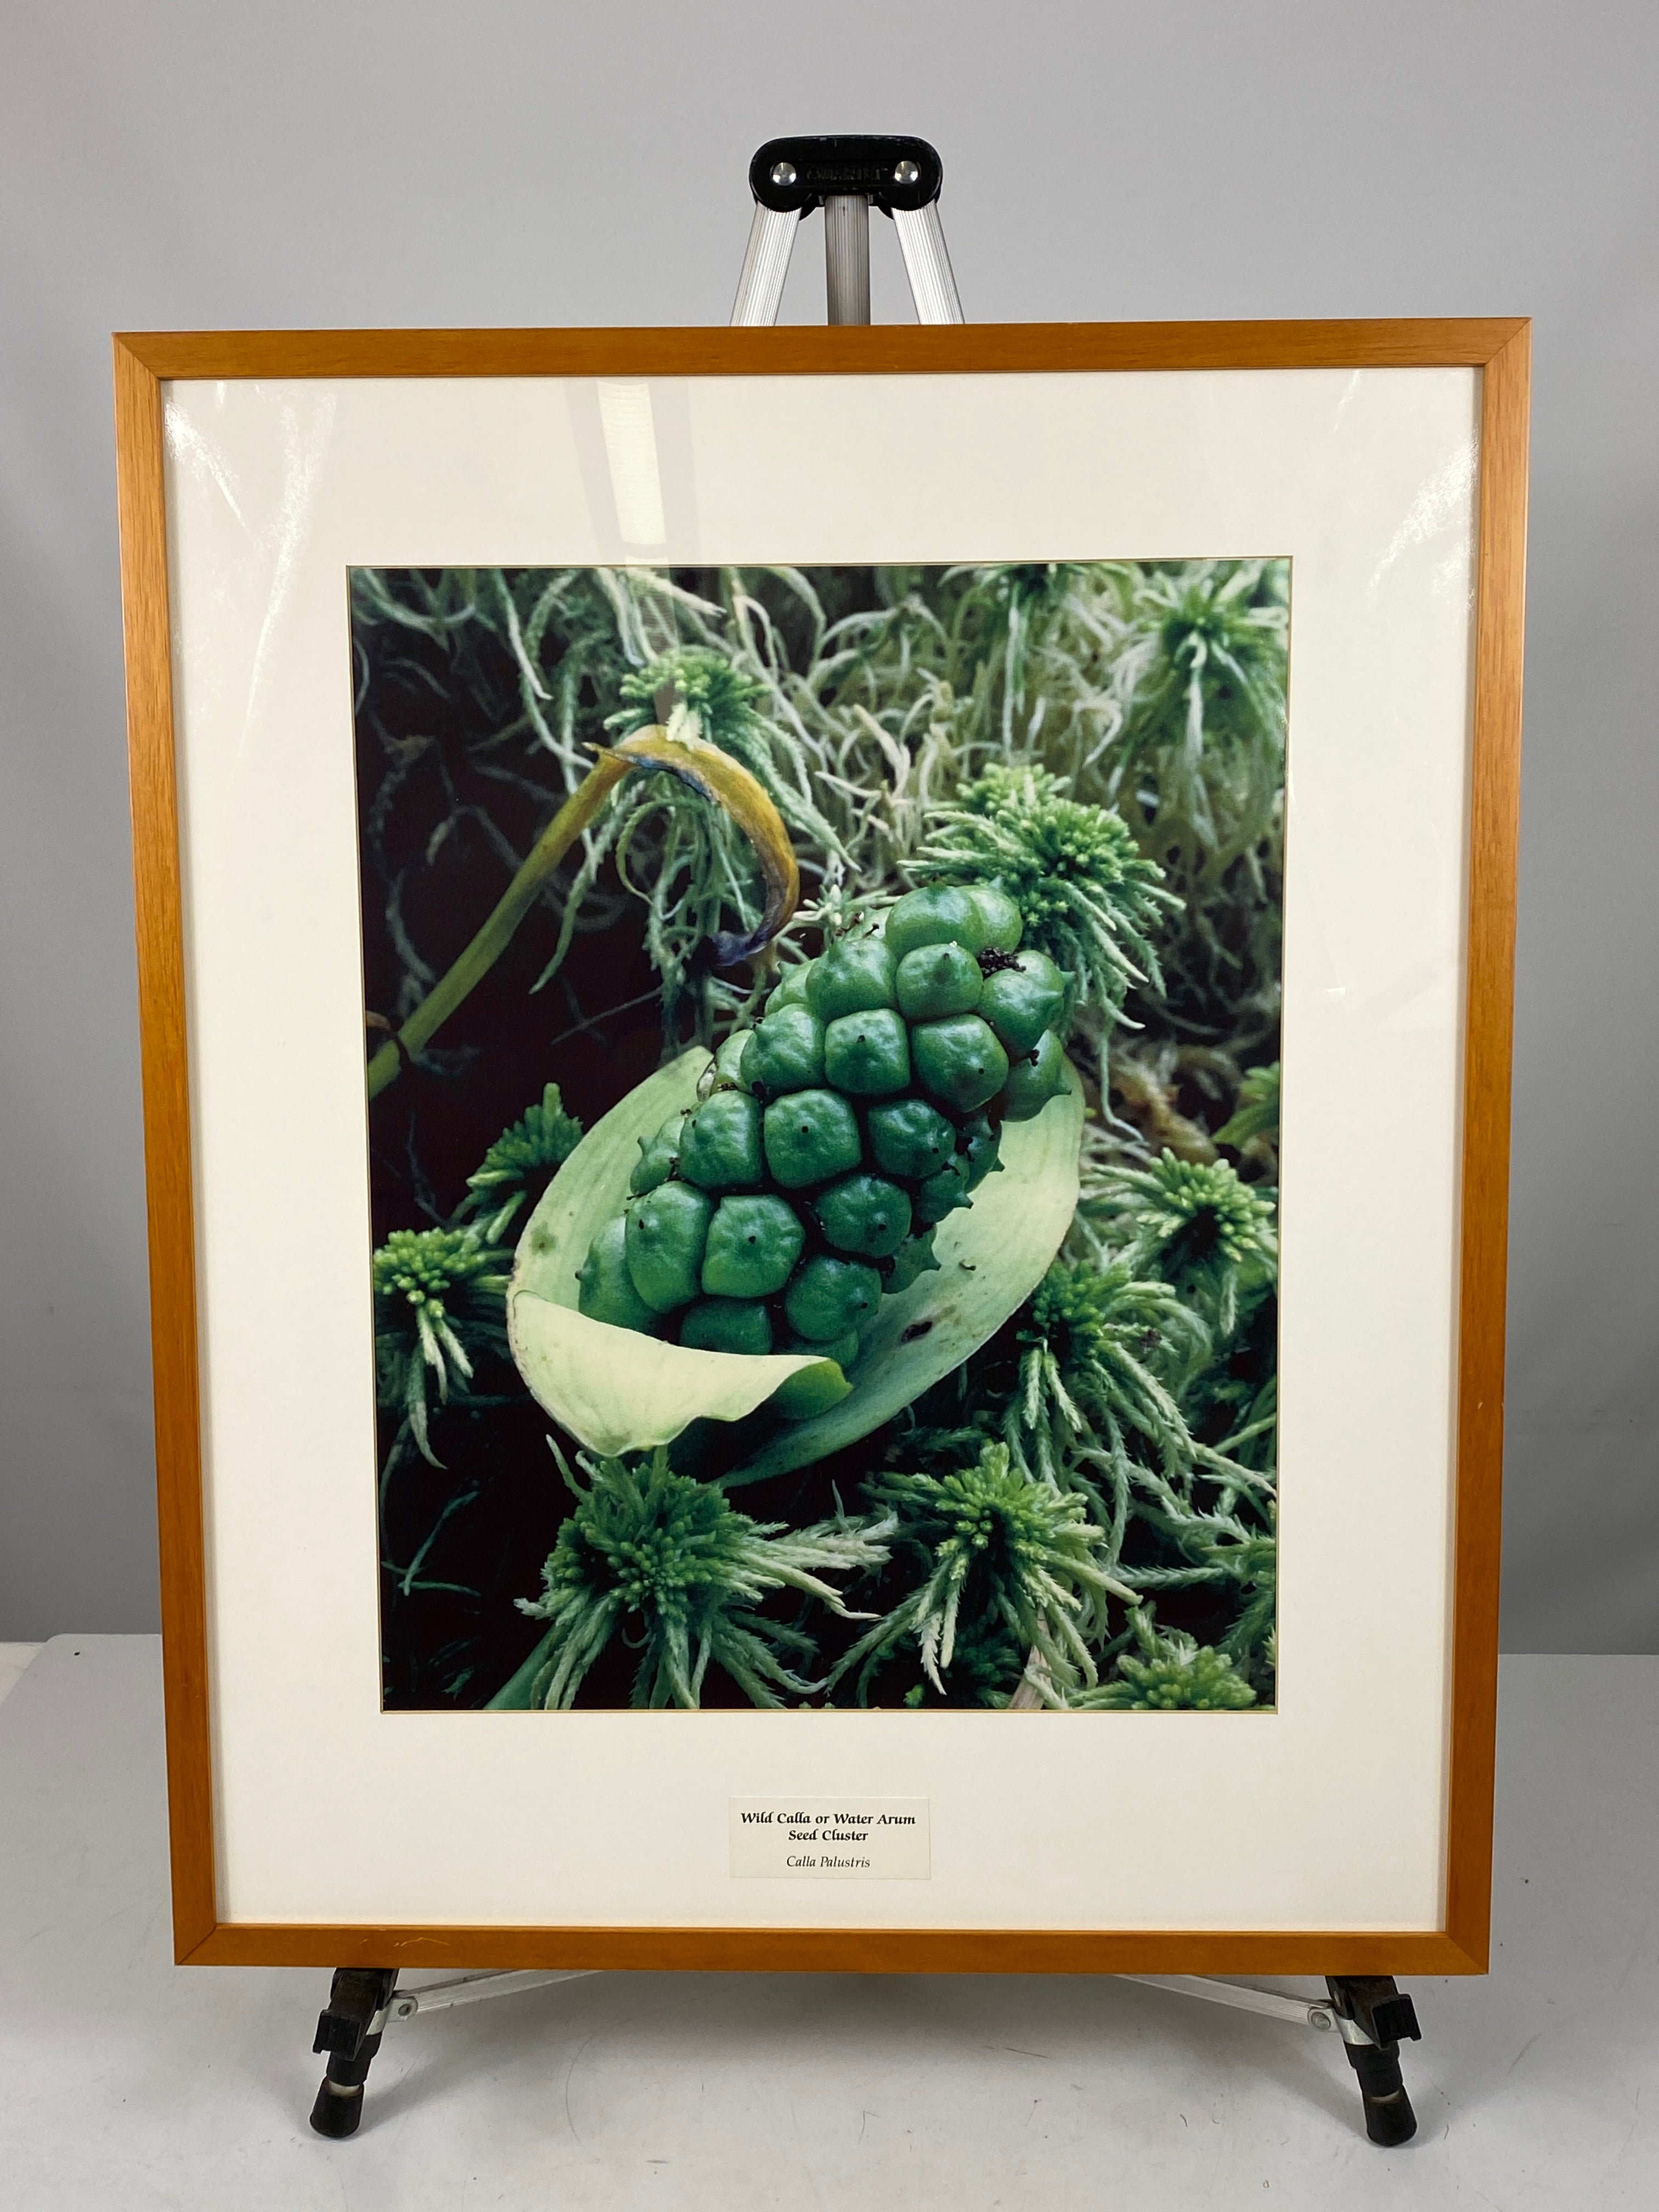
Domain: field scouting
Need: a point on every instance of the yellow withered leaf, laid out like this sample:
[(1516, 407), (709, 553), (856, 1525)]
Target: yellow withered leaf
[(728, 784)]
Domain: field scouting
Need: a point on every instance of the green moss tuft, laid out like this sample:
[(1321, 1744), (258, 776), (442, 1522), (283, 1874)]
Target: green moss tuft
[(668, 1562)]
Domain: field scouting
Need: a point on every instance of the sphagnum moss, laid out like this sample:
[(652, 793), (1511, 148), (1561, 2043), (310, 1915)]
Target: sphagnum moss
[(668, 1563), (997, 1548), (1198, 1227), (1170, 1673), (437, 1299), (520, 1162)]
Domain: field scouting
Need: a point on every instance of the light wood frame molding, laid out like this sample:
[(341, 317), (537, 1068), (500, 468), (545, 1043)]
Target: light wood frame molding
[(1499, 350)]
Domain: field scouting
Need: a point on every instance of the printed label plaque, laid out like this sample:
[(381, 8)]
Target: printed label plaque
[(826, 1838)]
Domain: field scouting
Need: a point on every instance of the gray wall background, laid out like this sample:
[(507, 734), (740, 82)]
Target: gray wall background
[(214, 163)]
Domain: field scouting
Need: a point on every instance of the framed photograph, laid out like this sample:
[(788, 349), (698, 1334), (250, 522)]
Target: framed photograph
[(826, 1035)]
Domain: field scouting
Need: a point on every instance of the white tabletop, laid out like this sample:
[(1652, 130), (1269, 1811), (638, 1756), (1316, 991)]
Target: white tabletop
[(125, 2081)]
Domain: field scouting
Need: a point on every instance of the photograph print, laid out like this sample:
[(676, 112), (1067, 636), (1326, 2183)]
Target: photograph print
[(823, 1066)]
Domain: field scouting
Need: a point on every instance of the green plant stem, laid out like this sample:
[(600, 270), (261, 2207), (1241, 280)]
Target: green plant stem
[(513, 1697), (510, 909)]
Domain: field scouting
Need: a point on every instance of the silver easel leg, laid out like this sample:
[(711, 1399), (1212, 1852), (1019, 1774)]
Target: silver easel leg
[(765, 265), (926, 264), (469, 1988), (847, 257)]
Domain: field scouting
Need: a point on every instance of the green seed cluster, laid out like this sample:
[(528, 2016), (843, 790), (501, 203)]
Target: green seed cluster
[(865, 1106)]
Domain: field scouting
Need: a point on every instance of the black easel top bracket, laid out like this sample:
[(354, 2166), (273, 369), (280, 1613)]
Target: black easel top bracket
[(847, 176), (792, 176)]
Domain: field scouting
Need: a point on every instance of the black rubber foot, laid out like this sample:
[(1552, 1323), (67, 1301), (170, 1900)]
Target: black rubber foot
[(1389, 2119), (337, 2109), (1374, 2002), (357, 1997)]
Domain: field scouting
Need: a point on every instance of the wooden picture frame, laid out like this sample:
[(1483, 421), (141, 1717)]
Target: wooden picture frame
[(1498, 350)]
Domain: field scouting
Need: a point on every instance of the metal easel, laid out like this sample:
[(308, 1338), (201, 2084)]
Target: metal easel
[(847, 177)]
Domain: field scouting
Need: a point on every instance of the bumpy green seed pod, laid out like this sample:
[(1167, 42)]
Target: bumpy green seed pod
[(607, 1288), (785, 1052), (752, 1247), (868, 1054), (942, 915), (978, 1144), (809, 1137), (829, 1297), (621, 1391), (720, 1144), (943, 1193), (909, 1137), (937, 980), (1000, 918), (790, 989), (959, 1061), (720, 1149), (659, 1156), (728, 1059), (855, 975), (913, 1257), (1022, 1002), (863, 1215), (728, 1325), (866, 1083), (1035, 1079), (843, 1350), (666, 1231)]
